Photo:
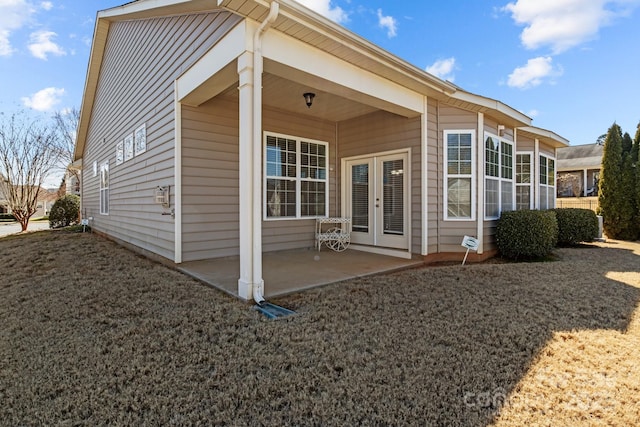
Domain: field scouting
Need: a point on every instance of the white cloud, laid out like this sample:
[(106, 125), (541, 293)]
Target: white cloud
[(323, 7), (389, 23), (13, 15), (533, 113), (44, 100), (563, 24), (42, 44), (443, 68), (533, 73), (46, 5)]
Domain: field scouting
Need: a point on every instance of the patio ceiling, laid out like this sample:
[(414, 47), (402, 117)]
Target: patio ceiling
[(282, 94)]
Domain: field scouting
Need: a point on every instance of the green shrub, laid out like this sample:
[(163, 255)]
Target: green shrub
[(527, 234), (65, 211), (576, 225)]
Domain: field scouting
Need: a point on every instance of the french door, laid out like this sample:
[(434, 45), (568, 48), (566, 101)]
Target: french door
[(377, 200)]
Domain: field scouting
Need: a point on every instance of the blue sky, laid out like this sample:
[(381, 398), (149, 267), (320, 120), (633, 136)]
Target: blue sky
[(572, 65)]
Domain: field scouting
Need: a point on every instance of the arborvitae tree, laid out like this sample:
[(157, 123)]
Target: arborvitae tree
[(635, 158), (627, 144), (610, 180), (626, 204)]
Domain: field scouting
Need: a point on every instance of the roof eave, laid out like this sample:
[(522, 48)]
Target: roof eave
[(547, 136)]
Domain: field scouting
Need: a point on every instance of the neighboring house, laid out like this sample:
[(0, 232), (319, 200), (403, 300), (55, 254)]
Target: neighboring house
[(46, 199), (196, 141), (72, 178), (44, 203), (579, 170)]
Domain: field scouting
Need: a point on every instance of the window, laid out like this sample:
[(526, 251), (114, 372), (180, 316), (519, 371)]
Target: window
[(104, 188), (498, 177), (547, 182), (523, 181), (296, 178), (140, 140), (459, 188), (120, 153), (128, 147)]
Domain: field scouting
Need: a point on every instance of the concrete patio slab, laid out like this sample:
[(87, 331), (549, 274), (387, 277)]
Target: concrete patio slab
[(286, 272)]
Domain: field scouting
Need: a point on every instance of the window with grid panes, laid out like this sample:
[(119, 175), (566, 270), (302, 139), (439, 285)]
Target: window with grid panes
[(523, 181), (498, 188), (296, 178), (459, 162), (547, 193)]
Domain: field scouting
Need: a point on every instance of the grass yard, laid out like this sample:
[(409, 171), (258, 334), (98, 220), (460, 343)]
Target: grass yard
[(92, 334)]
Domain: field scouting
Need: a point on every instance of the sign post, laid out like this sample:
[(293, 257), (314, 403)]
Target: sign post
[(469, 243)]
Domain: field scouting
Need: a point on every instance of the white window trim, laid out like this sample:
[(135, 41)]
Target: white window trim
[(104, 190), (499, 177), (445, 191), (549, 187), (532, 171), (298, 179), (140, 140)]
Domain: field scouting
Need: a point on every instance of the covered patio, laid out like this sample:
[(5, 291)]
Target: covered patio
[(286, 272)]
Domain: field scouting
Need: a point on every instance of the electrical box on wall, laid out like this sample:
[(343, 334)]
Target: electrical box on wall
[(162, 196)]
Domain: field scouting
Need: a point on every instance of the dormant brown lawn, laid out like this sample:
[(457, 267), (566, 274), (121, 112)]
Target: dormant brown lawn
[(92, 334)]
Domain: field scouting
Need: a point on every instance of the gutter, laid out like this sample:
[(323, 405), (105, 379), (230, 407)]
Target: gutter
[(258, 288)]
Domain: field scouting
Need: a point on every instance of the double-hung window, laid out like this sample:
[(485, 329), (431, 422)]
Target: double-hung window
[(498, 186), (459, 185), (104, 188), (547, 193), (524, 182), (296, 178)]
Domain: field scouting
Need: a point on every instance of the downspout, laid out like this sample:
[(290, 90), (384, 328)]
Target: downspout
[(258, 285)]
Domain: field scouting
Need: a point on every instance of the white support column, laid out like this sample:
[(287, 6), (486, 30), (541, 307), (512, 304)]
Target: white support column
[(536, 171), (178, 178), (584, 181), (424, 178), (245, 178), (480, 184)]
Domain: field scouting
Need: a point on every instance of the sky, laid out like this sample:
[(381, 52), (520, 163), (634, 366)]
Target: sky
[(571, 65)]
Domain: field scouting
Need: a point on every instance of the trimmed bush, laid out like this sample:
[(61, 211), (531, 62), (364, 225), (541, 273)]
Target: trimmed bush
[(527, 234), (65, 211), (576, 225)]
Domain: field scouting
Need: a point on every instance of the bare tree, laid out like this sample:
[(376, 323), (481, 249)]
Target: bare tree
[(67, 125), (29, 151)]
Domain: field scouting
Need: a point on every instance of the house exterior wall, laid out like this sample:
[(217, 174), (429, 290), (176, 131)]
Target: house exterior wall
[(282, 234), (434, 178), (450, 232), (210, 168), (210, 227), (380, 132), (141, 62)]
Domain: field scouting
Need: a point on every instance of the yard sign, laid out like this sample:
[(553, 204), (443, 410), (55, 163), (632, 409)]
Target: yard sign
[(469, 243)]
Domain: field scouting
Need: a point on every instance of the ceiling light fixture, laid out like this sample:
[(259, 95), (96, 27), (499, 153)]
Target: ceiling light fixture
[(308, 98)]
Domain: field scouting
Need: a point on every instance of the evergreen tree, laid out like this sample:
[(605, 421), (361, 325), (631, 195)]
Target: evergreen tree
[(627, 144), (610, 180), (635, 158), (626, 203)]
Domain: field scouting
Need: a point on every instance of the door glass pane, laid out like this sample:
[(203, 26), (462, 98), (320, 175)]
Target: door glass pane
[(360, 198), (393, 197)]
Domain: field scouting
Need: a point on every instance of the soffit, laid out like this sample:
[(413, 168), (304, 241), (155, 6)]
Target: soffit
[(301, 23), (285, 95)]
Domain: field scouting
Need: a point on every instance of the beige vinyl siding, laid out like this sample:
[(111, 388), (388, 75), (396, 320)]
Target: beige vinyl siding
[(434, 200), (379, 132), (450, 233), (210, 222), (285, 234), (524, 143), (141, 62)]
